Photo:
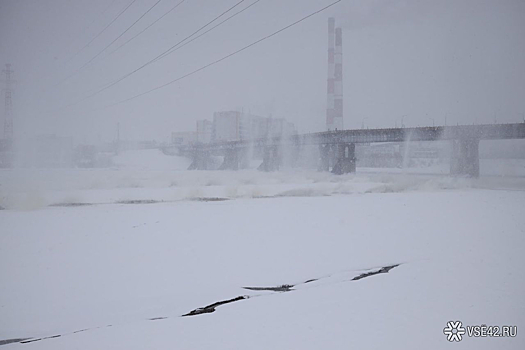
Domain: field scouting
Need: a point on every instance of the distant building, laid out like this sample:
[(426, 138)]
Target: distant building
[(227, 126), (204, 131), (235, 126)]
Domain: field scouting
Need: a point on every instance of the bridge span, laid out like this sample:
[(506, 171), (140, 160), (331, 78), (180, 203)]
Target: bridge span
[(338, 147)]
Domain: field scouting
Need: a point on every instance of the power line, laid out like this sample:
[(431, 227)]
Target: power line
[(103, 30), (157, 57), (223, 58), (79, 69), (108, 85), (212, 28), (143, 30), (158, 19), (88, 26), (118, 37)]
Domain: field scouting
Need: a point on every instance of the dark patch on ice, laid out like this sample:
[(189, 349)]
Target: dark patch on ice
[(209, 199), (1, 208), (9, 341), (211, 308), (281, 288), (70, 204), (138, 201), (384, 269), (157, 318)]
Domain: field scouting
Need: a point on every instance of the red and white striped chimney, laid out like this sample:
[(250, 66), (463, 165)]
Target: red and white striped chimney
[(334, 108), (338, 83)]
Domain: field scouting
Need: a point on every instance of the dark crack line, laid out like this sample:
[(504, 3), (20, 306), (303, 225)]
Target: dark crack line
[(385, 269), (157, 318), (289, 287), (39, 339), (31, 340), (282, 288), (211, 308), (9, 341)]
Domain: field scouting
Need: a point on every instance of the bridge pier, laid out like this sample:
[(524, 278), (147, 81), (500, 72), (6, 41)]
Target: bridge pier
[(464, 159), (345, 159), (324, 158), (295, 154), (271, 159), (201, 160), (231, 160)]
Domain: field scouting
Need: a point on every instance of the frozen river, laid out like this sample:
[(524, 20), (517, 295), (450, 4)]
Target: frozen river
[(117, 273)]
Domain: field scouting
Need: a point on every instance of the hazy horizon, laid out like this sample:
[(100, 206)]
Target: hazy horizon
[(427, 61)]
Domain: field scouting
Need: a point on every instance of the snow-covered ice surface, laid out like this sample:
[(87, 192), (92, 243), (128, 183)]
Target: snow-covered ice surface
[(67, 267)]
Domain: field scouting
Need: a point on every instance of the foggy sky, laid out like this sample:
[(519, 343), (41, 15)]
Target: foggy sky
[(425, 59)]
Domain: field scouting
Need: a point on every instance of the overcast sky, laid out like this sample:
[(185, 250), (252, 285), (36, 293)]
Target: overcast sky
[(463, 60)]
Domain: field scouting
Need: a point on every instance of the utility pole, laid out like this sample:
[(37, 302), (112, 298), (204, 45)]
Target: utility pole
[(8, 116)]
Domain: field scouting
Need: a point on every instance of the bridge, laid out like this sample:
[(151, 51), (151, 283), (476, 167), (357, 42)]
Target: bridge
[(337, 148)]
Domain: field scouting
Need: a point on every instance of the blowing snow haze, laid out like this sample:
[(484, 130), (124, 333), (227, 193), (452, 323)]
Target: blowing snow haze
[(262, 174), (428, 60)]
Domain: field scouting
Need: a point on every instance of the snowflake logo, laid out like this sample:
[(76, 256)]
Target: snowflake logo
[(454, 331)]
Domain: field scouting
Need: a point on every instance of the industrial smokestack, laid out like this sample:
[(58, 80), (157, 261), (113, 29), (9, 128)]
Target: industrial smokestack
[(331, 75), (338, 83), (334, 100)]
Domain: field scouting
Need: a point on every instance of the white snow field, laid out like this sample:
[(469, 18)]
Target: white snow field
[(83, 255)]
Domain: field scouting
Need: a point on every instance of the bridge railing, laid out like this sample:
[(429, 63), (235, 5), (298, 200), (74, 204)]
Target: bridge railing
[(431, 133)]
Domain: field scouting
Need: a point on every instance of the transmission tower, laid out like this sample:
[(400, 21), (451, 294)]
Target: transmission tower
[(8, 116)]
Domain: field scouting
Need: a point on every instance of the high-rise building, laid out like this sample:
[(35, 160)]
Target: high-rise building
[(204, 131)]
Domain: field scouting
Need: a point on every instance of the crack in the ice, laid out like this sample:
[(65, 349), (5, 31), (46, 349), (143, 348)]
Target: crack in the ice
[(384, 269), (38, 339), (31, 340), (211, 308), (9, 341), (281, 288), (157, 318), (284, 288)]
